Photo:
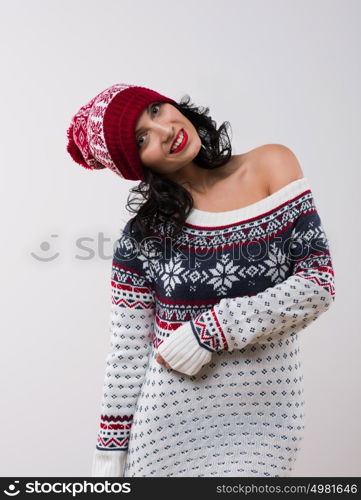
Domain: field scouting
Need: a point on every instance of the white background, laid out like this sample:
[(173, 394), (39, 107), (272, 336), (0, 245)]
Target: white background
[(285, 72)]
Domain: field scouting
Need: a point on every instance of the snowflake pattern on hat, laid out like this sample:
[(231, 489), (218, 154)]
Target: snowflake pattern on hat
[(90, 140)]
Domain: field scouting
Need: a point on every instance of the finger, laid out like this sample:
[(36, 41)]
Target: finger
[(160, 360)]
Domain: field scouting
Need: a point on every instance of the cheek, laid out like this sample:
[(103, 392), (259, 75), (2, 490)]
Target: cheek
[(153, 155), (149, 158)]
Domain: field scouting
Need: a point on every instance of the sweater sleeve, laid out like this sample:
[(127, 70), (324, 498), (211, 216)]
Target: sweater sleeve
[(131, 326), (269, 316)]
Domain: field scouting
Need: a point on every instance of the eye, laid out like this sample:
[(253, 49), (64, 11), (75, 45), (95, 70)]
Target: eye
[(156, 105)]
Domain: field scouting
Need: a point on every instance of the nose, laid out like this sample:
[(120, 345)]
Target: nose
[(165, 131)]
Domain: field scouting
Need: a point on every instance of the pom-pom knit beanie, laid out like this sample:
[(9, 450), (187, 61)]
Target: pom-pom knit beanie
[(102, 132)]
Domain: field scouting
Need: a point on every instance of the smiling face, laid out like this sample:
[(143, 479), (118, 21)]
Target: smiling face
[(156, 129)]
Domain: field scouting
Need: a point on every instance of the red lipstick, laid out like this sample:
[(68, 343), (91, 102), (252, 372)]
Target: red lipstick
[(182, 144)]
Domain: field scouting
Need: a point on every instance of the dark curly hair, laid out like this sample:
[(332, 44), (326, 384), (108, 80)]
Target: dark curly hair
[(165, 200)]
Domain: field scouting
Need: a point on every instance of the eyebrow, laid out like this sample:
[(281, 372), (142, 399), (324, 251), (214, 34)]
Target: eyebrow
[(142, 128)]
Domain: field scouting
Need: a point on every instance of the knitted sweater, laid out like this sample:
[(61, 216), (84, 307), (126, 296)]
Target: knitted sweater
[(223, 303)]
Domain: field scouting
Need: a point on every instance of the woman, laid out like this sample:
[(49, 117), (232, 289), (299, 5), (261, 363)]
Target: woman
[(225, 262)]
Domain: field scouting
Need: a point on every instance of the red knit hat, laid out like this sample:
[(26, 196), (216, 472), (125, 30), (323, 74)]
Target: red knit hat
[(102, 132)]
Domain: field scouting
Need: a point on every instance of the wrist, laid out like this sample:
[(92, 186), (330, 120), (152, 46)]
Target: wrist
[(183, 352)]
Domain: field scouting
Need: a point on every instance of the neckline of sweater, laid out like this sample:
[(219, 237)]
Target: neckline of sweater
[(203, 218)]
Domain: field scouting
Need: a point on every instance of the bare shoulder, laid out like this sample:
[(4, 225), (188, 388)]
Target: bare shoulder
[(277, 164)]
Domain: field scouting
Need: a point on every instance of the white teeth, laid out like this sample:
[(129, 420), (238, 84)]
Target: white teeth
[(178, 141)]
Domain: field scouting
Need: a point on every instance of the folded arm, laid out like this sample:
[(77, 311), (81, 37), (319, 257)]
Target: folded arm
[(269, 316)]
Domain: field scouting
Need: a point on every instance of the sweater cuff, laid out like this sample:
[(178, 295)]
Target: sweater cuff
[(183, 352), (109, 463)]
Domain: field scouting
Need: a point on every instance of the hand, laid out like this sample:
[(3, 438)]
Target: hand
[(162, 361), (183, 350)]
